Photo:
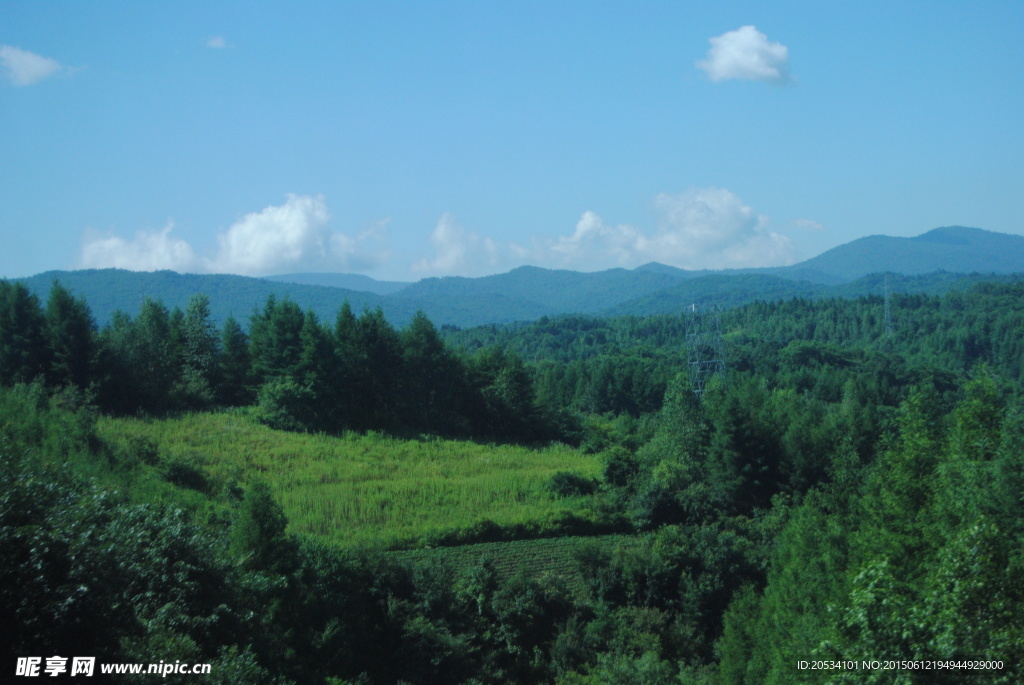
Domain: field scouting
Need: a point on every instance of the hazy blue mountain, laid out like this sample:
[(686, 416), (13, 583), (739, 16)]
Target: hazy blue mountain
[(716, 289), (933, 262), (551, 290), (738, 289), (107, 290), (357, 282), (952, 248)]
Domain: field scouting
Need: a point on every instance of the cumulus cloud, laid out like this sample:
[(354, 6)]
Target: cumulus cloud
[(701, 228), (148, 251), (289, 237), (746, 54), (363, 251), (216, 42), (23, 68), (457, 251), (275, 237), (595, 242)]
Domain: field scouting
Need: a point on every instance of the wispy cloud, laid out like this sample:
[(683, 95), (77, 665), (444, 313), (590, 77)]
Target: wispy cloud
[(701, 228), (810, 225), (24, 68), (216, 42), (289, 237), (746, 54), (458, 251)]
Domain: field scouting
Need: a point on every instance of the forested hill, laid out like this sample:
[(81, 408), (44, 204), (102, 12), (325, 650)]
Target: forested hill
[(941, 260), (109, 290), (739, 289), (346, 281), (307, 502), (951, 248), (524, 294)]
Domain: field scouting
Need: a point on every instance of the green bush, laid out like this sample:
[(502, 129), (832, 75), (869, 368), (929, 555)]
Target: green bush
[(568, 484), (283, 404)]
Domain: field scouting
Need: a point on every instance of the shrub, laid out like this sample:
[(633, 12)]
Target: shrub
[(568, 484), (285, 405)]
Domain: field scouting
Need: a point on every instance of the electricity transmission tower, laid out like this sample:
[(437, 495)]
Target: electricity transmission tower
[(705, 348), (888, 314)]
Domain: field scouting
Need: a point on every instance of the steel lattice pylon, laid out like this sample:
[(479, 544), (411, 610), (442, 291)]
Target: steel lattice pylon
[(705, 348), (888, 314)]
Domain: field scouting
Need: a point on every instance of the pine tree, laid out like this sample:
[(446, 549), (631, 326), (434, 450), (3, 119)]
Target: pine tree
[(258, 535), (199, 353), (71, 337), (24, 355), (235, 366)]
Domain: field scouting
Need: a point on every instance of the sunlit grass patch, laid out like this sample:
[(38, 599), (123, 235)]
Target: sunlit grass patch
[(367, 489)]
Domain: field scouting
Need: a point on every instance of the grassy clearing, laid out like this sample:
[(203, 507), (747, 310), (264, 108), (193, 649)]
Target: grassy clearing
[(371, 490)]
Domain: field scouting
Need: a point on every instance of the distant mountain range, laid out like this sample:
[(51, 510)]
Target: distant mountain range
[(953, 248), (346, 281), (937, 261)]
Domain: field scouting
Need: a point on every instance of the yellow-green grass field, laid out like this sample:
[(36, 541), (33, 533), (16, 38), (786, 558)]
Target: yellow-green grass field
[(366, 490)]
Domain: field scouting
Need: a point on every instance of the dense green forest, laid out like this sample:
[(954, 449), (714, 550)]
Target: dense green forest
[(844, 491)]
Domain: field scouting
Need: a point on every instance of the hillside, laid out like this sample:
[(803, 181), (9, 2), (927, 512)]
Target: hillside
[(840, 475), (552, 290), (347, 281), (934, 262), (739, 289), (356, 489), (107, 290), (953, 248)]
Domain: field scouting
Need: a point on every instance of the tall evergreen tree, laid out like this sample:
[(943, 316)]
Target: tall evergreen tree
[(140, 361), (351, 374), (24, 355), (434, 379), (199, 343), (199, 353), (71, 337), (259, 534), (379, 345), (235, 366), (318, 371), (275, 340)]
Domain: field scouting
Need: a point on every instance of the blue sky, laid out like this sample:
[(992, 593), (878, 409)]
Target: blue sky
[(404, 140)]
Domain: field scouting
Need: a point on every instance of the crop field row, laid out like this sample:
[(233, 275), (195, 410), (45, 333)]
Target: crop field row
[(365, 489)]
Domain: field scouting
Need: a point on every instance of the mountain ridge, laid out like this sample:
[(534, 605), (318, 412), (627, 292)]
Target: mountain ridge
[(941, 259)]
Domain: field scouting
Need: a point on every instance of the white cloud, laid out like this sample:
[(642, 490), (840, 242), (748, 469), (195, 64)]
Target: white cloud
[(746, 54), (23, 68), (149, 251), (290, 237), (216, 42), (594, 242), (276, 237), (701, 228), (458, 251)]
